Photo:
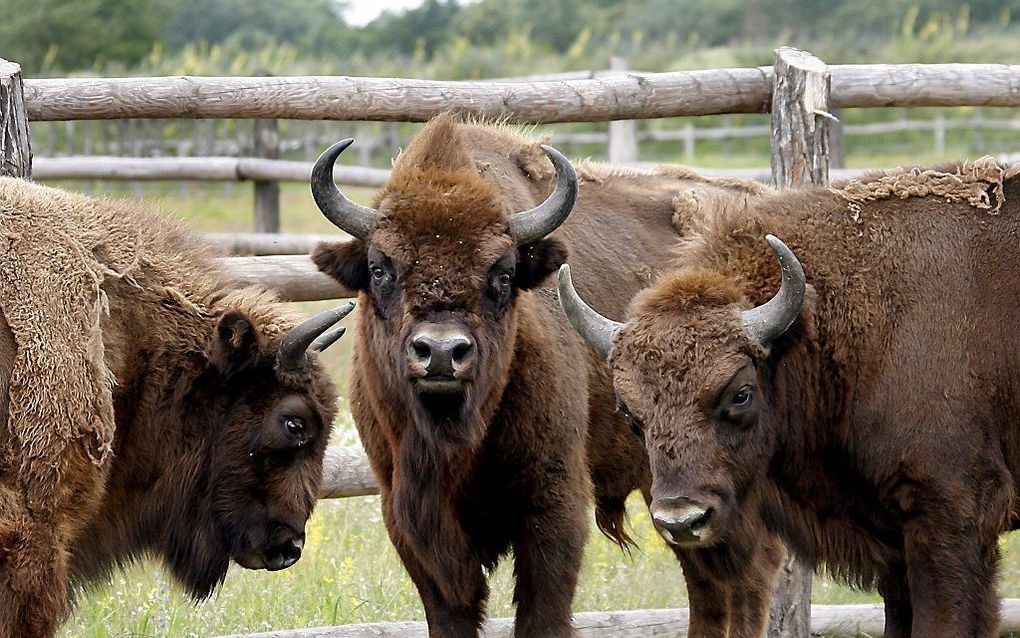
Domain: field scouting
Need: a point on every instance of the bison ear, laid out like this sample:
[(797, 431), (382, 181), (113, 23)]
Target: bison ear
[(538, 260), (235, 339), (345, 261)]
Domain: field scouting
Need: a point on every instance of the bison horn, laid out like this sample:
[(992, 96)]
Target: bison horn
[(311, 334), (533, 224), (597, 330), (348, 216), (768, 321)]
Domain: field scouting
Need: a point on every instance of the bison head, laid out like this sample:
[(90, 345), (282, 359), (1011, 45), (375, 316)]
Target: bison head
[(691, 375), (258, 418), (440, 264)]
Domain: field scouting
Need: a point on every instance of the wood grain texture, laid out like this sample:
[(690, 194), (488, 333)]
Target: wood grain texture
[(198, 169), (800, 119), (610, 97), (15, 145), (267, 192), (601, 98), (294, 276), (346, 472), (232, 169), (828, 620), (251, 244)]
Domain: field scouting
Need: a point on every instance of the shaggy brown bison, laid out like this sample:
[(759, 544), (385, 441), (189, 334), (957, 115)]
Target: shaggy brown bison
[(150, 406), (868, 411), (486, 418)]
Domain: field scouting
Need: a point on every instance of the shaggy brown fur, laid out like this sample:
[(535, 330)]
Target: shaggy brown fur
[(143, 409), (503, 466), (880, 439)]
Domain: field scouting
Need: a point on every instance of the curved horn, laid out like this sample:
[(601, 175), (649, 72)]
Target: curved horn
[(533, 224), (771, 319), (306, 334), (597, 330), (348, 216)]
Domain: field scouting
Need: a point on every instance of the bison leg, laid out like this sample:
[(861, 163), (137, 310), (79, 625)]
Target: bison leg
[(896, 594), (951, 570), (33, 581), (547, 562), (445, 619)]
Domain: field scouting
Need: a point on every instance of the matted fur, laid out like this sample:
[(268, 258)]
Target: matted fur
[(884, 447), (974, 183), (114, 313)]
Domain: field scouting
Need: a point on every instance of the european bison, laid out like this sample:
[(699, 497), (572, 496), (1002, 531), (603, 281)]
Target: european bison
[(150, 406), (484, 415), (868, 412)]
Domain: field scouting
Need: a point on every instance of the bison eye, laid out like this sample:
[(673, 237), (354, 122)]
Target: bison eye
[(743, 397), (499, 286), (294, 425), (378, 274)]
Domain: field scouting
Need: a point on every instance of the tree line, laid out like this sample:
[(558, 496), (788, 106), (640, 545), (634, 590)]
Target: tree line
[(56, 36)]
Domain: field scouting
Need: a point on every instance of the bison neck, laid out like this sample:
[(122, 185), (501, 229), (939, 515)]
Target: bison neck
[(455, 508), (149, 507)]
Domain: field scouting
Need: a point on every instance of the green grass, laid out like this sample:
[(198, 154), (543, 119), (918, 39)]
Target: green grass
[(349, 572)]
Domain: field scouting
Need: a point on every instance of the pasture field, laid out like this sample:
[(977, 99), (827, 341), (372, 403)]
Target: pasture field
[(349, 572)]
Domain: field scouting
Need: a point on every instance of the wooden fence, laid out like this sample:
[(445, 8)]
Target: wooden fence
[(799, 90), (135, 151)]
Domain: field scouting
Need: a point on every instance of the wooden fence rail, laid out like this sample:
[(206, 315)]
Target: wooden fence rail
[(230, 169), (826, 620), (610, 97), (197, 168)]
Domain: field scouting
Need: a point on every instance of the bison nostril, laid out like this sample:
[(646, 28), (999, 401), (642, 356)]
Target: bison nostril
[(422, 350), (461, 351), (698, 522)]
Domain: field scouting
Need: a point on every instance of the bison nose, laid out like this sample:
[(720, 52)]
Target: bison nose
[(441, 350), (683, 521)]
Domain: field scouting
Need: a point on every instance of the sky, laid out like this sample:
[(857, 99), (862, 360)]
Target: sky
[(361, 12)]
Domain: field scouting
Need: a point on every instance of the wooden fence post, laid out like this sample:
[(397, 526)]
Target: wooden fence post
[(267, 194), (800, 148), (15, 147), (623, 144)]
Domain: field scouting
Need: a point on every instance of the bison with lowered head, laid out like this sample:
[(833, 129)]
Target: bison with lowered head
[(868, 411), (486, 418), (150, 406)]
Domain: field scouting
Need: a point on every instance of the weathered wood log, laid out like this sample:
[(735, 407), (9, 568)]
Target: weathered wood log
[(251, 244), (346, 472), (267, 192), (800, 146), (603, 98), (294, 276), (623, 143), (800, 119), (828, 620), (611, 97), (230, 169), (15, 146), (198, 169)]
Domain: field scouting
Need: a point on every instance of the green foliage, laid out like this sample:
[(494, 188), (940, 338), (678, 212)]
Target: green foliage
[(255, 24), (56, 34), (457, 39)]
